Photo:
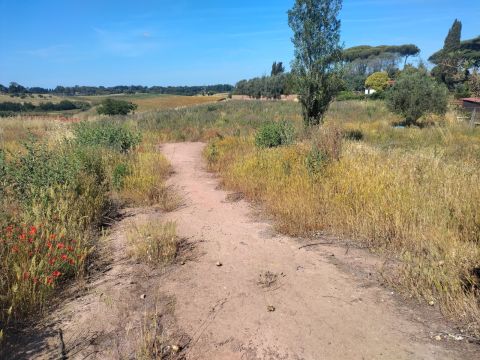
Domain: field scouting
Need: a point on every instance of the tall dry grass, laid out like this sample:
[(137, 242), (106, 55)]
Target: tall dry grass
[(410, 194), (156, 244)]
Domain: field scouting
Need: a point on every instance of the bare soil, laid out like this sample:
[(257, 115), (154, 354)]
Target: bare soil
[(238, 290), (321, 303)]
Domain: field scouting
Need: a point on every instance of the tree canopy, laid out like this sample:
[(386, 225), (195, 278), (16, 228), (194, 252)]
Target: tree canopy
[(415, 93), (468, 50), (316, 38), (377, 81), (116, 107), (366, 51), (456, 59), (277, 68), (17, 89)]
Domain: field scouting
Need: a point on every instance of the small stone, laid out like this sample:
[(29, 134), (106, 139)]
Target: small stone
[(143, 296), (438, 338), (455, 337), (175, 349), (431, 303), (219, 264), (183, 262), (271, 308)]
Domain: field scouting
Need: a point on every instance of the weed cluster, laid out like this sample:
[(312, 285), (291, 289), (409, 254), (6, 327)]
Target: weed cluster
[(53, 197)]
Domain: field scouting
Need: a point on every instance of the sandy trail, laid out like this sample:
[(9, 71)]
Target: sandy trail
[(326, 307), (321, 312)]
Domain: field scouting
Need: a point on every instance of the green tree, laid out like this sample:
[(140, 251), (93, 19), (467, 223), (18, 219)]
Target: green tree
[(474, 84), (377, 81), (16, 88), (277, 68), (449, 61), (415, 94), (316, 37), (116, 107), (454, 36)]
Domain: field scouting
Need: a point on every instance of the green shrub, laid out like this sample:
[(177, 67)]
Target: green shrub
[(415, 94), (377, 81), (275, 134), (119, 174), (349, 95), (116, 107), (39, 168), (106, 134), (355, 135)]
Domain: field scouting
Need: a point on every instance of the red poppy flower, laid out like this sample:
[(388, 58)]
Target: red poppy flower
[(60, 245), (64, 257), (56, 273), (33, 230)]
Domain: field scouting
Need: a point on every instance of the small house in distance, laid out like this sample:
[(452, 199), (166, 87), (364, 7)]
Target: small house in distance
[(371, 91), (471, 104)]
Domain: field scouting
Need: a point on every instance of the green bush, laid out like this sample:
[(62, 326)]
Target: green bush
[(377, 81), (106, 134), (350, 95), (415, 94), (116, 107), (39, 168), (119, 174), (275, 134)]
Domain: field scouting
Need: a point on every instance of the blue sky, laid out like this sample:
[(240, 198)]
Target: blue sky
[(189, 42)]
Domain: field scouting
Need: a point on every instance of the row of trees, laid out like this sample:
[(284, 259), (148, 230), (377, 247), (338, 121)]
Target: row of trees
[(361, 61), (270, 87), (10, 108), (321, 68), (17, 89)]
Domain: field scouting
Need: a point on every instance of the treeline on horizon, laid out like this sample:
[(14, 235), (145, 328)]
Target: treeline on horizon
[(12, 108), (456, 65), (18, 90)]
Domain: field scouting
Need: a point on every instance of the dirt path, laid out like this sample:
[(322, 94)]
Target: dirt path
[(270, 299), (321, 311)]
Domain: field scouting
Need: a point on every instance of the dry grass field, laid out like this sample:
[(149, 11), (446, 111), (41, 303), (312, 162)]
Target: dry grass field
[(35, 99), (408, 194), (171, 101)]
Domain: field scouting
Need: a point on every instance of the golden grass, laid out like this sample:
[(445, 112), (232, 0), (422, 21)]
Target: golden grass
[(145, 181), (16, 130), (172, 102), (154, 243), (35, 99), (419, 207)]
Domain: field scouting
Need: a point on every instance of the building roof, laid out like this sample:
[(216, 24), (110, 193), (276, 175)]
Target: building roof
[(473, 100)]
